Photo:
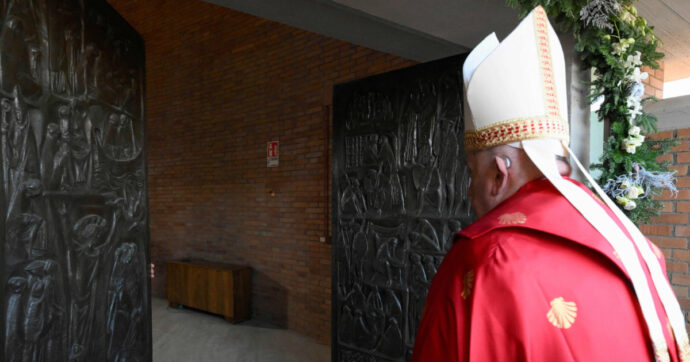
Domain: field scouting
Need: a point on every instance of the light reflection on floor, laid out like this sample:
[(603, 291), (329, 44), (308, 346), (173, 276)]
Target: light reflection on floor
[(181, 335)]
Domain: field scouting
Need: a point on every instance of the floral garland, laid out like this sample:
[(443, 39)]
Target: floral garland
[(615, 41)]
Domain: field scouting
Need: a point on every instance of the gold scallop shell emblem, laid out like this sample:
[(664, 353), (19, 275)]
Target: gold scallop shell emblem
[(467, 284), (562, 314), (512, 218)]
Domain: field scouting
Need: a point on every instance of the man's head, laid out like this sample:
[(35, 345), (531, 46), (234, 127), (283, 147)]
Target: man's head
[(498, 172), (515, 96)]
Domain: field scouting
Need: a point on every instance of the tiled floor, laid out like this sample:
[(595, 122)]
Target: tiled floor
[(181, 335)]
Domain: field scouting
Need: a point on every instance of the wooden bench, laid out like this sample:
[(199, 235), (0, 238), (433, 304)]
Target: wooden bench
[(217, 288)]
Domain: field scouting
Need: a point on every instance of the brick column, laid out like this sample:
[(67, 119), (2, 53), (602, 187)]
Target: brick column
[(654, 84), (670, 230)]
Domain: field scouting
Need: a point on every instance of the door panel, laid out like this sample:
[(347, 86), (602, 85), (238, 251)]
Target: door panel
[(74, 196), (399, 194)]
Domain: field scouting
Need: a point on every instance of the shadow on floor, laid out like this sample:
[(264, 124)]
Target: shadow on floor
[(269, 300)]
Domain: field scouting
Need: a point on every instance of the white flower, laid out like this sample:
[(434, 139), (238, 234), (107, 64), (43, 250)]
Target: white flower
[(619, 48), (634, 108), (625, 184), (632, 193), (623, 45), (636, 58), (634, 131), (640, 191), (622, 200), (638, 140), (631, 143), (633, 60), (627, 17), (637, 90), (631, 102), (637, 75), (628, 14), (630, 205)]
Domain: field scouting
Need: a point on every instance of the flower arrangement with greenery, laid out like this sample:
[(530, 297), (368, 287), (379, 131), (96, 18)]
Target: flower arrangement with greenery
[(616, 42)]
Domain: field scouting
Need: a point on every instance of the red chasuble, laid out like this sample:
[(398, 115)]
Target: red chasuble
[(532, 280)]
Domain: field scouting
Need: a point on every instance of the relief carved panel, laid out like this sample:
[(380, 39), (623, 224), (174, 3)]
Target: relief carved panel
[(73, 193), (399, 194)]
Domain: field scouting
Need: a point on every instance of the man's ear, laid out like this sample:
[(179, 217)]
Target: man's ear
[(500, 179)]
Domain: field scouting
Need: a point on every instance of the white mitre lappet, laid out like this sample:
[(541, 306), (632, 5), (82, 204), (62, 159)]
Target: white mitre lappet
[(515, 94)]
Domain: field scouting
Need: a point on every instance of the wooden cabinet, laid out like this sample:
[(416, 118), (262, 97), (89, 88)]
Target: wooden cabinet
[(213, 287)]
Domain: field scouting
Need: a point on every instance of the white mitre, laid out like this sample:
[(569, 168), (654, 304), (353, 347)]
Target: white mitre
[(525, 76), (515, 94)]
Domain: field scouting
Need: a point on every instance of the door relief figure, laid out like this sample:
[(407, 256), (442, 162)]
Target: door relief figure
[(73, 195), (399, 194)]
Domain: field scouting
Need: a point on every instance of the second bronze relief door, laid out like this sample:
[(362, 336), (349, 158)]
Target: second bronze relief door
[(399, 194)]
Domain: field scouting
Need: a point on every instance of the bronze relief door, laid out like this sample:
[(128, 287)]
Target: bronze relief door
[(399, 194), (73, 195)]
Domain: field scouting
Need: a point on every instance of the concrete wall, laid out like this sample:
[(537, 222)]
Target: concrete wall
[(673, 113)]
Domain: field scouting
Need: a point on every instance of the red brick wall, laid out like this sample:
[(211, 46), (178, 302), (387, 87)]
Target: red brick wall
[(220, 84), (654, 84), (670, 231)]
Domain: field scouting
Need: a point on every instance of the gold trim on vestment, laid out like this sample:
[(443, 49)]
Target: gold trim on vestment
[(467, 284), (661, 351), (513, 218), (685, 350)]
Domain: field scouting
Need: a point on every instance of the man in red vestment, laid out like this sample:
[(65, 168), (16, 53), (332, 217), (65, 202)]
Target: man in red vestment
[(549, 272)]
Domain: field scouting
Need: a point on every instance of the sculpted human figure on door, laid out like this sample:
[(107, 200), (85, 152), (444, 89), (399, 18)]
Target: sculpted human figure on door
[(392, 144), (124, 300), (65, 67), (20, 145), (88, 243)]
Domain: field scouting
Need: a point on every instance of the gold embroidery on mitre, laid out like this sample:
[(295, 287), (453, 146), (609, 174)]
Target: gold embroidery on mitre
[(512, 218), (517, 129), (562, 314), (467, 284), (661, 351), (541, 32)]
